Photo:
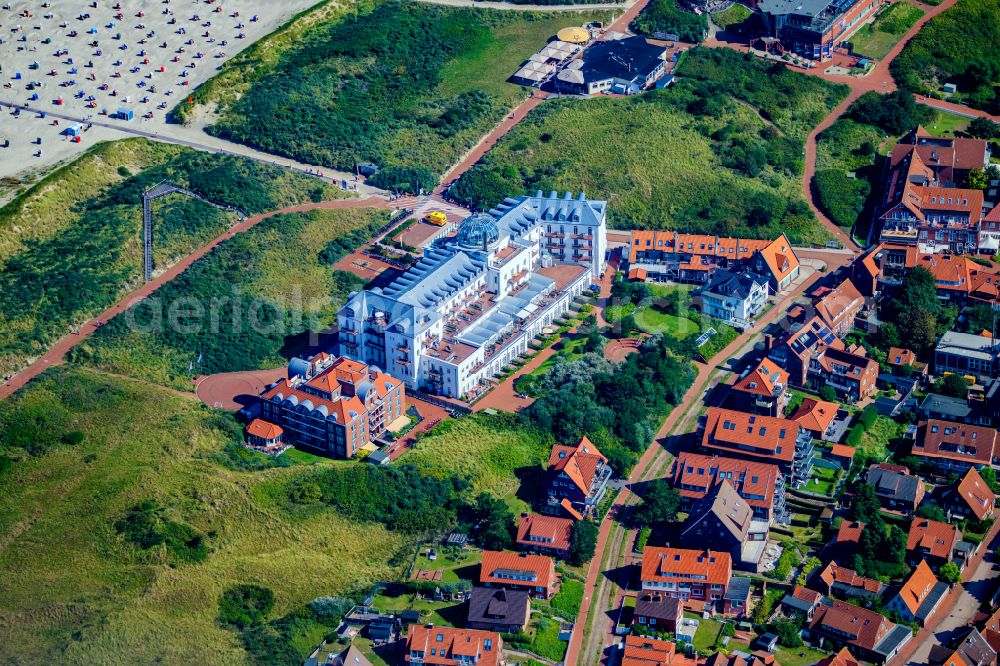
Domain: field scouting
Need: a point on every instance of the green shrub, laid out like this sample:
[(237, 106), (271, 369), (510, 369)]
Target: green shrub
[(841, 197), (145, 527), (666, 16), (245, 605)]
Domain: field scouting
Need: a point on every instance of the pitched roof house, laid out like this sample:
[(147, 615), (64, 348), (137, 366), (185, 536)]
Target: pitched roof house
[(762, 389), (802, 600), (520, 571), (932, 541), (869, 635), (447, 646), (895, 487), (842, 658), (952, 446), (659, 611), (970, 497), (845, 582), (722, 520), (815, 416), (642, 651), (578, 475), (499, 609), (544, 534), (761, 438), (760, 484), (920, 595), (693, 576), (974, 649), (840, 307)]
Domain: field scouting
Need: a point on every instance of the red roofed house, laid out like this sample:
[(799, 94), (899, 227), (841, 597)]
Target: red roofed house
[(815, 416), (844, 582), (842, 658), (762, 390), (899, 358), (264, 436), (519, 571), (544, 534), (760, 484), (695, 577), (866, 633), (843, 454), (932, 542), (971, 497), (955, 447), (642, 651), (840, 308), (802, 600), (766, 439), (335, 406), (920, 595), (447, 646), (845, 543), (578, 476)]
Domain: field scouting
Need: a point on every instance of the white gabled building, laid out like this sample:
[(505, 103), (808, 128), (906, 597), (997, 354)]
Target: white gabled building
[(473, 303)]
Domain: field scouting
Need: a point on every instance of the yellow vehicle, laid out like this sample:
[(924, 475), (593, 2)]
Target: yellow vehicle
[(437, 218)]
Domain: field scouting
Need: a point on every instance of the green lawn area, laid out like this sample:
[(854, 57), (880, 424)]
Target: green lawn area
[(822, 481), (566, 603), (303, 458), (450, 561), (278, 264), (653, 320), (875, 442), (947, 124), (614, 313), (441, 613), (568, 349), (73, 586), (545, 638), (707, 634), (698, 156), (875, 39), (803, 656), (736, 14), (669, 290)]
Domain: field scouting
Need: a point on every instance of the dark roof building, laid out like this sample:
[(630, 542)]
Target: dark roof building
[(659, 611), (498, 609), (813, 28), (872, 636), (722, 520), (625, 66), (895, 487)]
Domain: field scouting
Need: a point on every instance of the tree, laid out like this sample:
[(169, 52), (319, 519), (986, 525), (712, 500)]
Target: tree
[(990, 477), (659, 505), (953, 385), (978, 179), (949, 573), (920, 330), (582, 542), (245, 605), (789, 630), (828, 393), (888, 335), (979, 318), (865, 505), (983, 128), (626, 326), (932, 512), (496, 522)]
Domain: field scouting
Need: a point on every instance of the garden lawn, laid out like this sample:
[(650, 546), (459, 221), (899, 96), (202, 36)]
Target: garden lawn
[(407, 86), (447, 562), (653, 320), (73, 587), (72, 244), (822, 481), (707, 634), (876, 39), (947, 124), (270, 280), (800, 656), (875, 442), (566, 603), (439, 613), (734, 15)]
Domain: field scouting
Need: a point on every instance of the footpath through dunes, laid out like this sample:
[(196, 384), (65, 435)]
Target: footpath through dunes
[(58, 351)]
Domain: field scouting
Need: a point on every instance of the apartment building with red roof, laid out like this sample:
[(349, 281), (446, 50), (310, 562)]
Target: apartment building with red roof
[(763, 389), (920, 595), (762, 485), (760, 438), (548, 535), (333, 405), (692, 258), (867, 634), (955, 447), (642, 651), (971, 497), (843, 582), (839, 308), (448, 646), (577, 479), (932, 541), (535, 574), (695, 577), (842, 658), (816, 416)]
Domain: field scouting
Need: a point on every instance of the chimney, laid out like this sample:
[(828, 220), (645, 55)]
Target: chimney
[(768, 342)]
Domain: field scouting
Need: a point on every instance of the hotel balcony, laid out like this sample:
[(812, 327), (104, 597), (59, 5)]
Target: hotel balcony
[(404, 348)]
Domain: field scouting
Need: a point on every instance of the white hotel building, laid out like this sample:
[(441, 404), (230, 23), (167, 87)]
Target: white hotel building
[(472, 304)]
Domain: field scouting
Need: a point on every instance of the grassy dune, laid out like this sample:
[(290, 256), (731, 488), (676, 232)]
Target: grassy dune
[(74, 591)]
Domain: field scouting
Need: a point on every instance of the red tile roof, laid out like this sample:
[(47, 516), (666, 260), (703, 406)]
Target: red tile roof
[(454, 646), (264, 429), (763, 379), (853, 624), (544, 531), (780, 258), (570, 509), (849, 532), (343, 409), (834, 573), (842, 658), (806, 595), (641, 651), (976, 493), (694, 474), (956, 441), (664, 565), (841, 304), (916, 588), (578, 462), (537, 570), (935, 538), (901, 356), (815, 415), (770, 437), (842, 451)]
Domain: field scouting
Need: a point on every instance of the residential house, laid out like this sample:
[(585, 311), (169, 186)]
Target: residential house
[(947, 408), (845, 583), (866, 633), (535, 574), (643, 651), (895, 487), (851, 373), (814, 29), (839, 307), (333, 405), (760, 438), (352, 656), (816, 416), (735, 298), (801, 600), (761, 484), (842, 454), (932, 541), (658, 611), (900, 358), (972, 649), (738, 658), (723, 521), (845, 541), (691, 258), (842, 658), (578, 477), (920, 595), (548, 535), (736, 600), (263, 436), (447, 646), (970, 498), (696, 577), (762, 390), (955, 447), (622, 66), (966, 354), (991, 630), (502, 610)]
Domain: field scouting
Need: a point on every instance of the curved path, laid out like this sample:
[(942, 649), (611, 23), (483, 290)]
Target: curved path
[(58, 351)]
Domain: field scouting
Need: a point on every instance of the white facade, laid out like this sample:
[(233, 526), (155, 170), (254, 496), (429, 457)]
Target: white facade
[(472, 305)]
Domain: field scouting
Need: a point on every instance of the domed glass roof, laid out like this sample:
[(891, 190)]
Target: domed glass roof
[(478, 230)]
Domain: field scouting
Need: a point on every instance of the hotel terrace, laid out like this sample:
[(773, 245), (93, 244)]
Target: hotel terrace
[(472, 304)]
